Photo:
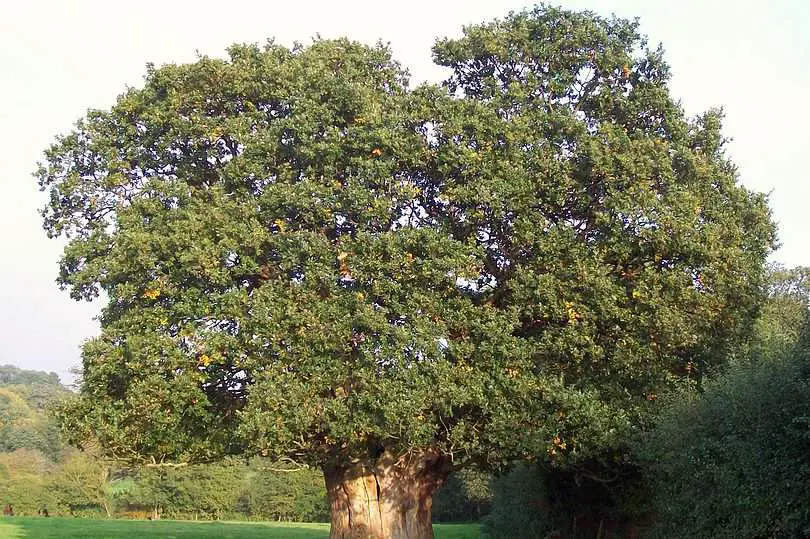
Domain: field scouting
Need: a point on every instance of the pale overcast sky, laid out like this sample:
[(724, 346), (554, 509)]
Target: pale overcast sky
[(60, 57)]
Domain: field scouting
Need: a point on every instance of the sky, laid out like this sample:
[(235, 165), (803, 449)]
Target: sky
[(60, 57)]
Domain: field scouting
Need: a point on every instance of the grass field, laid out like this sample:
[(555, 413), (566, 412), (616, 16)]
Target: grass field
[(70, 528)]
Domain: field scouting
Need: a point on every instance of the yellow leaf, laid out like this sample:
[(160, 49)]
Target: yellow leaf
[(376, 152), (573, 315), (151, 293), (344, 267)]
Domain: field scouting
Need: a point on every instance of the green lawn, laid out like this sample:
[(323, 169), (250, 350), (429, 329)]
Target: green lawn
[(68, 528)]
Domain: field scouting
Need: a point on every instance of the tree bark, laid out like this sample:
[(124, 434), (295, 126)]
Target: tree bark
[(389, 498)]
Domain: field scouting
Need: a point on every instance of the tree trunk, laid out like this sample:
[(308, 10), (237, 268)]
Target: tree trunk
[(386, 499)]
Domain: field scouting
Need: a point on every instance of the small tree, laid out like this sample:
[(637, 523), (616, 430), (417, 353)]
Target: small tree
[(82, 483), (306, 259)]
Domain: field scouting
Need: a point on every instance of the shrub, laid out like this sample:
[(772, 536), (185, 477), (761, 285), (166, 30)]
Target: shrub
[(734, 461)]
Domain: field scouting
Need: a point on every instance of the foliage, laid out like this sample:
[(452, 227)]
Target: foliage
[(733, 462), (24, 397), (25, 481), (204, 491), (256, 490), (293, 495), (61, 528), (534, 501), (520, 506), (783, 318), (306, 259), (81, 485), (466, 496), (36, 475)]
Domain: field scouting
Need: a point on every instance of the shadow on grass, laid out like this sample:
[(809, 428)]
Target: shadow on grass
[(76, 528)]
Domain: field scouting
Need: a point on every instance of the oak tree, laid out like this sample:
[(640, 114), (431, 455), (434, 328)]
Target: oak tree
[(302, 257)]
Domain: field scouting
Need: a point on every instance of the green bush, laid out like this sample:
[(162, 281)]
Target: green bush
[(734, 461)]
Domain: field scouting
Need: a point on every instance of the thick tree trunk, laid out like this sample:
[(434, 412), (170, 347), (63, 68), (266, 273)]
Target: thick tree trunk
[(385, 499)]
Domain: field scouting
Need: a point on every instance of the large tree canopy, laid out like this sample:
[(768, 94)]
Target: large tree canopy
[(305, 258)]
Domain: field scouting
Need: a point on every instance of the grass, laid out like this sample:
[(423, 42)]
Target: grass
[(70, 528)]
